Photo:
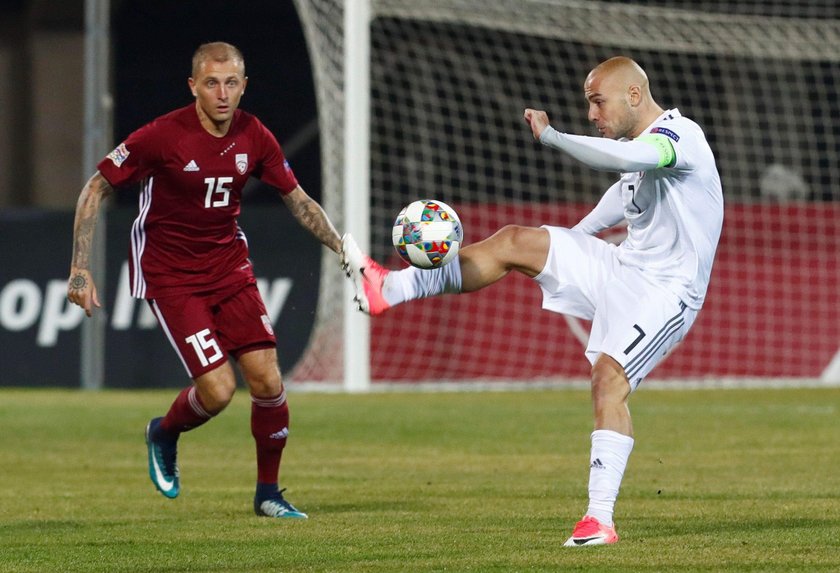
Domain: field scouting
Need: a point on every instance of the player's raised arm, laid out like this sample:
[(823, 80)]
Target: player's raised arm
[(312, 217), (81, 289), (603, 154), (610, 155)]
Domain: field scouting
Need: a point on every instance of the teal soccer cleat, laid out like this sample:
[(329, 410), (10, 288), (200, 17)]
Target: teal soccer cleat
[(163, 463), (276, 506)]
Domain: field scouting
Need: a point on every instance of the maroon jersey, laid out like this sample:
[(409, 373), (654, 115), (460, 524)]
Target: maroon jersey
[(185, 237)]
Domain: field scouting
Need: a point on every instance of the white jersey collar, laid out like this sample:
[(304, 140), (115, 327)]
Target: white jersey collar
[(672, 113)]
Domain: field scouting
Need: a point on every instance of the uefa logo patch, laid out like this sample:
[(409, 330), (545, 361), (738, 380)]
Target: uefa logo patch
[(241, 163), (119, 155), (666, 132), (267, 324)]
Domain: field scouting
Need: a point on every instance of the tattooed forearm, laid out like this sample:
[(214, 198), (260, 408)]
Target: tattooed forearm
[(87, 210), (312, 217), (83, 241)]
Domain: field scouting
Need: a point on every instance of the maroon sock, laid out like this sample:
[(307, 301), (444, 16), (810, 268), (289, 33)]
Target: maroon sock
[(187, 412), (270, 427)]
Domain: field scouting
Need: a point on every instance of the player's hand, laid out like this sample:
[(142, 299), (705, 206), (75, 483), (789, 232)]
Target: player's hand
[(537, 120), (81, 290)]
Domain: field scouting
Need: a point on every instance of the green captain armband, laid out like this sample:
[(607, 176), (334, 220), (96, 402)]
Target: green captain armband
[(667, 155)]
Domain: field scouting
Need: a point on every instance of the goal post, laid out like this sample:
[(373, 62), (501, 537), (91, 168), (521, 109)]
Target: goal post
[(440, 116), (97, 127), (356, 191)]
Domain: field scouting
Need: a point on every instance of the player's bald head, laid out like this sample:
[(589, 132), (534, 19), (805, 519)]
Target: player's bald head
[(216, 52), (618, 93), (617, 74)]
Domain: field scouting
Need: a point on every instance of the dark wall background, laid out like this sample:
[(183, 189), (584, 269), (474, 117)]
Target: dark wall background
[(153, 44), (42, 73)]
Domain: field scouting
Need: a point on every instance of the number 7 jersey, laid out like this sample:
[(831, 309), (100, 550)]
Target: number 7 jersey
[(186, 237)]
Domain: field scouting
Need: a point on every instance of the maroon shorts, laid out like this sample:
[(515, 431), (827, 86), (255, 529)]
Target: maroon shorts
[(205, 328)]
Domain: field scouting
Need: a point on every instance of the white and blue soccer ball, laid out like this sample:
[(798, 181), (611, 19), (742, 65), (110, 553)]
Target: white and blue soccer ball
[(427, 234)]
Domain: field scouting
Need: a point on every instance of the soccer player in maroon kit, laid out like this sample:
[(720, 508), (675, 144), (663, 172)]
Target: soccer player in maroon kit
[(189, 260)]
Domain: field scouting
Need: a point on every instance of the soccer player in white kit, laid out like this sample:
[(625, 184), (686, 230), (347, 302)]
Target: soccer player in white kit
[(642, 296)]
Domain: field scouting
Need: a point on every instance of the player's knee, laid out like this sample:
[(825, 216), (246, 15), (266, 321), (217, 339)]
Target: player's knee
[(261, 373), (265, 383), (217, 395)]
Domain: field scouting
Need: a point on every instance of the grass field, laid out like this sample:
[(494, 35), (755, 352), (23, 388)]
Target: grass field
[(724, 480)]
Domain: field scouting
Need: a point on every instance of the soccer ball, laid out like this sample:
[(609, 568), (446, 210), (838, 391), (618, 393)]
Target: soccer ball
[(427, 234)]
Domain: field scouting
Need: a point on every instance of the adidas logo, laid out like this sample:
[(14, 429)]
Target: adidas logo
[(281, 435), (191, 166), (597, 464)]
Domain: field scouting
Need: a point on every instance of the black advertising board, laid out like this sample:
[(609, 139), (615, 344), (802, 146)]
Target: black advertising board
[(40, 330)]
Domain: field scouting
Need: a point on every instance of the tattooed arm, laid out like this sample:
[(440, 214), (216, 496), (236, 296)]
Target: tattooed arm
[(80, 287), (312, 217)]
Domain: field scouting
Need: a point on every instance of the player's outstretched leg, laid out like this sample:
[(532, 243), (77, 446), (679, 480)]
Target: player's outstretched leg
[(273, 504), (590, 531), (163, 460), (367, 276)]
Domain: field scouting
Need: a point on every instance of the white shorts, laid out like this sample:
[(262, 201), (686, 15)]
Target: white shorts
[(634, 321)]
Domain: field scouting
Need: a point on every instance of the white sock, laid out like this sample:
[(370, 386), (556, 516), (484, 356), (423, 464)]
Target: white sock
[(412, 283), (607, 461)]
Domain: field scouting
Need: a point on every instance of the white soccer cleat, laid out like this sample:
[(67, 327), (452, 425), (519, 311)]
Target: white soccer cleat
[(367, 276)]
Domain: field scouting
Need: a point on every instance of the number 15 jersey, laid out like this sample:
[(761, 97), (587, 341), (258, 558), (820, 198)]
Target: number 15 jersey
[(186, 237)]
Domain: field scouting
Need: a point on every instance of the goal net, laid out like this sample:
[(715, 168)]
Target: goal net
[(449, 82)]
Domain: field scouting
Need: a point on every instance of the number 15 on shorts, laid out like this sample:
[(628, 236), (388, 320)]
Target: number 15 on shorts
[(203, 343)]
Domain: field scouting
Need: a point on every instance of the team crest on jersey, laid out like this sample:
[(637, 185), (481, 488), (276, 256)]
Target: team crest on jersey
[(119, 155), (241, 163), (267, 324)]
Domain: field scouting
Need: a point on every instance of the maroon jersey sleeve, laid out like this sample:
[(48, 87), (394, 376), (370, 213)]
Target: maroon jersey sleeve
[(274, 169), (134, 159)]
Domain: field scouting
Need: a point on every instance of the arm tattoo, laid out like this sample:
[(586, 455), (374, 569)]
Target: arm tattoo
[(84, 240), (312, 217), (87, 210)]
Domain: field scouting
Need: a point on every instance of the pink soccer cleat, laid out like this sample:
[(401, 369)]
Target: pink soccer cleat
[(367, 276), (590, 531)]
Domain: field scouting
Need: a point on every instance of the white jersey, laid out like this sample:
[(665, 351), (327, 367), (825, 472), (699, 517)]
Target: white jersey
[(675, 214)]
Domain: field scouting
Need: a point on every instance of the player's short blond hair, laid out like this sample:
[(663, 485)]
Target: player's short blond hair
[(218, 52)]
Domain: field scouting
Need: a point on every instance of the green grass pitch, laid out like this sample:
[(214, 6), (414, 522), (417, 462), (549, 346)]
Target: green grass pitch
[(720, 480)]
